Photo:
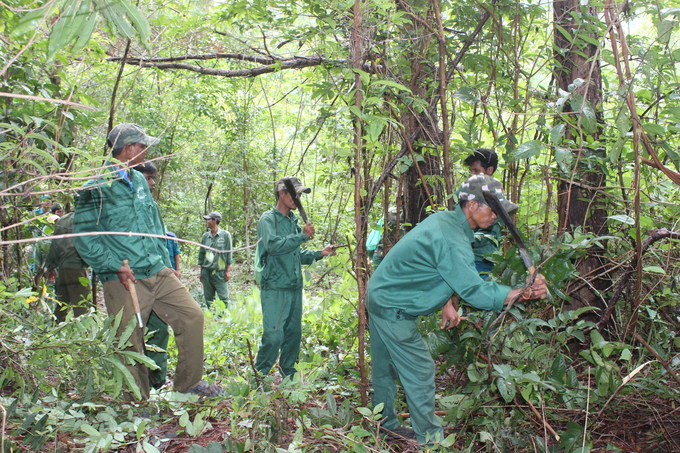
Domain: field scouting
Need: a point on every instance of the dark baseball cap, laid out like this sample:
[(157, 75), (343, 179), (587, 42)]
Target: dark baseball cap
[(299, 188), (213, 215), (127, 133)]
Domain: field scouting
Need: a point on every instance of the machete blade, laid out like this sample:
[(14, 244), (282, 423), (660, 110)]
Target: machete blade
[(296, 199), (497, 206)]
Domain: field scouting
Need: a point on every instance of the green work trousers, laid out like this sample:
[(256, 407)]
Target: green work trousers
[(169, 298), (398, 351), (71, 293), (282, 331), (214, 282), (159, 339)]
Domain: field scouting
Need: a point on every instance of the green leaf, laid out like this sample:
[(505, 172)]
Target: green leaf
[(663, 31), (507, 389), (628, 220), (374, 128), (89, 430), (623, 121), (527, 150), (127, 376), (626, 354), (588, 118), (654, 129), (140, 430), (392, 84), (563, 156), (557, 133), (473, 374), (366, 412), (654, 269)]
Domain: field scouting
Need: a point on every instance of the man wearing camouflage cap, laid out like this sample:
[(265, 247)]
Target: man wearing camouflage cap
[(417, 277), (279, 261), (215, 267), (119, 200)]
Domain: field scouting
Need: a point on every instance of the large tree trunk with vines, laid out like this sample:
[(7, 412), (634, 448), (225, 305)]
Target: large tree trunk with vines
[(580, 201)]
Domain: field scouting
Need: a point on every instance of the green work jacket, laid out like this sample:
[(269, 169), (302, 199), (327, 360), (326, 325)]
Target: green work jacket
[(62, 251), (429, 264), (210, 260), (487, 240), (111, 203), (280, 249)]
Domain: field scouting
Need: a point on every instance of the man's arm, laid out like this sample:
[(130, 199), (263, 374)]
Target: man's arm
[(275, 244), (90, 248), (201, 252)]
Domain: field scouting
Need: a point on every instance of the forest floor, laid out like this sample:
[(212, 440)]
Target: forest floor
[(636, 422)]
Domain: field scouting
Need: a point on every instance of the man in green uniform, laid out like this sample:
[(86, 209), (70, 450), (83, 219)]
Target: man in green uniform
[(119, 200), (280, 259), (484, 161), (65, 265), (417, 277), (215, 267)]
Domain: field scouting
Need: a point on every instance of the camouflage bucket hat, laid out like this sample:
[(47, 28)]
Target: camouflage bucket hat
[(475, 185), (299, 188), (127, 133), (213, 215)]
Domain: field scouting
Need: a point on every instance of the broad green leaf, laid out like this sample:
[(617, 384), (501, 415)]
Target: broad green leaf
[(623, 121), (588, 118), (374, 128), (557, 133), (506, 389), (563, 156), (628, 220), (89, 430), (654, 129), (663, 31), (366, 412), (527, 150), (392, 84), (654, 269), (485, 437)]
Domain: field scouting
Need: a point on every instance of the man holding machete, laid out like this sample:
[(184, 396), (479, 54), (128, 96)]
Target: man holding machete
[(280, 259), (119, 200), (417, 277)]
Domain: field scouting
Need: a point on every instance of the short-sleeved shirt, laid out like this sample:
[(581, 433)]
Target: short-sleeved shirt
[(215, 261), (173, 248), (429, 264)]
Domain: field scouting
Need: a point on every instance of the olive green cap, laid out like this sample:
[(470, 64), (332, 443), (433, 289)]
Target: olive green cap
[(127, 133)]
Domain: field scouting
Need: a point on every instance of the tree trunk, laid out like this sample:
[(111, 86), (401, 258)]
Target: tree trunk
[(580, 202)]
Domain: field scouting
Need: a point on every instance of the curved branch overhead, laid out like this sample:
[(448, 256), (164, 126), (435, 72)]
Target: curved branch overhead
[(268, 64)]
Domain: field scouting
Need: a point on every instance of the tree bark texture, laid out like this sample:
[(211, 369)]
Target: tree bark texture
[(579, 206)]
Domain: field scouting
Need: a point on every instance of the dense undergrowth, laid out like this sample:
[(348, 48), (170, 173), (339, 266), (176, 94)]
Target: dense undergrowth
[(542, 379)]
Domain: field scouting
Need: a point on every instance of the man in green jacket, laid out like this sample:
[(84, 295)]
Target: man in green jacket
[(484, 161), (417, 277), (215, 267), (280, 257), (119, 200), (65, 265)]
